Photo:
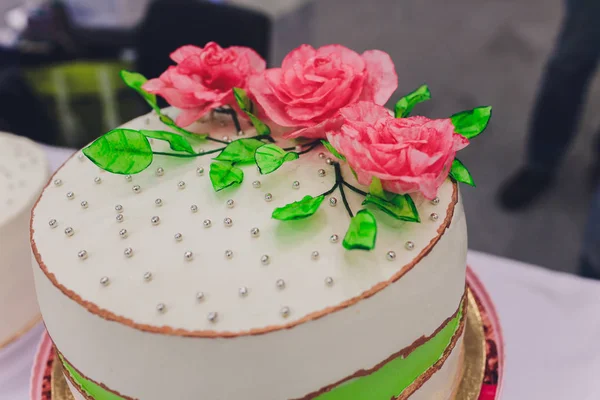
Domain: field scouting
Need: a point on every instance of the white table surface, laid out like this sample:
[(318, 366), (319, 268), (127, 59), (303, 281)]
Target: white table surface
[(550, 320)]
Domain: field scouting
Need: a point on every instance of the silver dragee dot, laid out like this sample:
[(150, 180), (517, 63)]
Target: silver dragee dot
[(265, 259), (321, 155), (212, 316), (285, 311), (194, 208), (333, 202), (104, 281), (136, 188), (228, 222), (118, 208), (181, 185), (390, 255), (200, 171), (298, 148), (70, 195), (243, 291), (53, 223), (80, 157), (207, 223), (84, 204), (158, 202), (240, 133), (256, 184), (329, 281), (128, 178), (329, 161), (230, 203), (255, 232), (314, 255), (226, 138), (409, 245), (200, 296), (155, 220), (228, 254), (188, 255), (280, 283), (97, 180), (58, 182), (148, 276), (295, 184), (160, 171), (268, 197), (334, 238), (322, 173), (82, 255), (128, 252), (69, 231), (178, 236), (161, 308), (434, 216), (435, 201), (119, 217), (123, 233)]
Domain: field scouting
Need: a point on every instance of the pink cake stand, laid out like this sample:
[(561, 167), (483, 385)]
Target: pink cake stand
[(44, 385)]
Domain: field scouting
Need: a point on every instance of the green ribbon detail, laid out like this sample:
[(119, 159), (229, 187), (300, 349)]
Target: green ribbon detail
[(387, 382)]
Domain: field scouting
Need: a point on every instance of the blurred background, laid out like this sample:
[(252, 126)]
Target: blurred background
[(59, 83)]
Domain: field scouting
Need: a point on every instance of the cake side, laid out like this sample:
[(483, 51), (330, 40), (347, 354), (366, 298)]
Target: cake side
[(23, 173)]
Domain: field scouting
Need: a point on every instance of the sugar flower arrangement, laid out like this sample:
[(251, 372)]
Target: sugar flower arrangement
[(331, 97)]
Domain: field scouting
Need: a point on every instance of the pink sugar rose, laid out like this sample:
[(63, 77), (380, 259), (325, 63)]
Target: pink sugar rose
[(311, 86), (203, 78), (408, 154)]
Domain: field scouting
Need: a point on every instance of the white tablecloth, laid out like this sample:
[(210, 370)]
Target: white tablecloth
[(551, 324)]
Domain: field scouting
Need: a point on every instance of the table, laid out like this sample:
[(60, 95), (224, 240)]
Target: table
[(550, 322)]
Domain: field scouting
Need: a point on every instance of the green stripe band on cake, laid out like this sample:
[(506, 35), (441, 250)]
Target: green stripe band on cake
[(387, 382)]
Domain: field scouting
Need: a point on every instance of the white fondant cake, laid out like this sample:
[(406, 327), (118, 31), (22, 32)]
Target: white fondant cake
[(23, 173), (155, 287)]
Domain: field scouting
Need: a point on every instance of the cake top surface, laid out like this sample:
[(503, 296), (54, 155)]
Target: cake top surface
[(162, 251), (23, 172)]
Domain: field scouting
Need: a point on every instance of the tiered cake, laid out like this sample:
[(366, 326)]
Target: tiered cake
[(23, 173)]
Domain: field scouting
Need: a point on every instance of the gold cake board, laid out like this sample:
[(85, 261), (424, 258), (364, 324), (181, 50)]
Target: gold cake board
[(468, 388)]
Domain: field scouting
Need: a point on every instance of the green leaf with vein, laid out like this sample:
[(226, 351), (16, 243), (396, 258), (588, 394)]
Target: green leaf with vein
[(224, 175), (176, 142), (405, 105), (121, 151), (299, 209), (400, 206), (376, 189), (245, 104), (240, 151), (471, 123), (332, 150), (135, 80), (270, 157), (362, 233), (168, 121), (460, 173)]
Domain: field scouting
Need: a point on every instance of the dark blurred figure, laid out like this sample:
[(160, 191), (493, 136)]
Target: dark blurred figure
[(555, 117), (169, 24)]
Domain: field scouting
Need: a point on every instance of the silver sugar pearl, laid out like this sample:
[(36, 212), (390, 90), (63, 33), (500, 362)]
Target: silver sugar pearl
[(178, 237), (409, 245), (298, 148), (256, 184), (128, 178), (181, 185), (314, 255), (212, 316), (230, 203), (334, 238), (161, 308), (268, 197), (240, 133), (119, 208), (80, 157), (200, 296), (243, 291), (200, 171), (390, 255), (58, 182), (295, 184), (84, 204), (53, 223), (136, 188), (82, 254), (226, 138), (228, 254), (434, 216), (155, 220), (97, 180), (322, 173), (255, 232), (70, 195), (321, 155), (228, 222), (329, 281), (435, 201), (280, 284), (119, 217), (285, 312), (332, 201), (104, 281), (207, 223), (194, 208), (128, 252), (160, 171), (148, 276), (123, 233), (329, 161), (265, 259), (69, 231), (188, 255), (158, 202)]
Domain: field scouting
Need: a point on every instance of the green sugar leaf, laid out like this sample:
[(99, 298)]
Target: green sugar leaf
[(121, 151), (135, 80), (262, 129), (401, 206), (299, 209), (332, 150), (165, 119), (245, 104), (376, 189), (176, 142), (270, 157), (224, 175), (362, 233), (471, 123), (460, 173), (405, 105), (240, 151)]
